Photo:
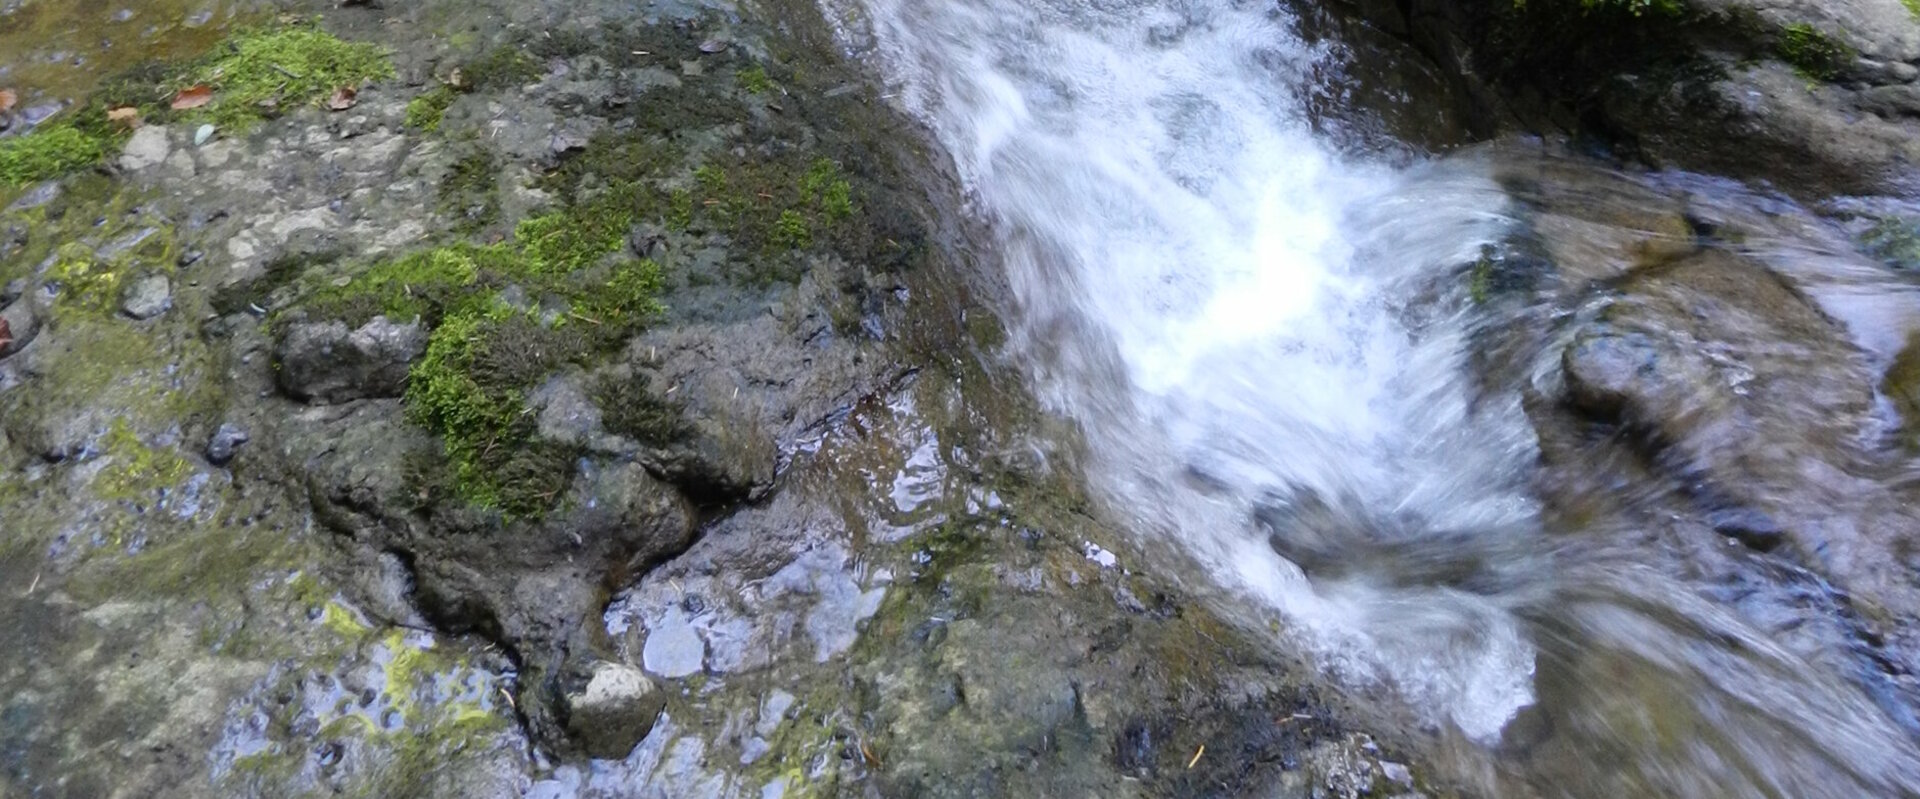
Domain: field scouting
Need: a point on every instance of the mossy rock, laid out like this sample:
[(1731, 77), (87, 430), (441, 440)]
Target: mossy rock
[(1894, 241), (503, 317), (1812, 53)]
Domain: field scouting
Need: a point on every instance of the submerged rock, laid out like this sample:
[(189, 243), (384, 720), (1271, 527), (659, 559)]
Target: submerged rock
[(327, 363)]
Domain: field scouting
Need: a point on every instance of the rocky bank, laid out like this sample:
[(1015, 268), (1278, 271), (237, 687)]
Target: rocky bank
[(596, 400)]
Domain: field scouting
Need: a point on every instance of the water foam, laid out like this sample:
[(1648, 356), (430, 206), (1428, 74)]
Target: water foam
[(1216, 296)]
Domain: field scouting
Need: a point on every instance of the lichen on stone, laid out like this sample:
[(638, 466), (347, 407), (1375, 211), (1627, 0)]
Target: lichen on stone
[(135, 470)]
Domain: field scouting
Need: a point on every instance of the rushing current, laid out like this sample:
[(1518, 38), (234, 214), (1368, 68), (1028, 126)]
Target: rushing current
[(1264, 341)]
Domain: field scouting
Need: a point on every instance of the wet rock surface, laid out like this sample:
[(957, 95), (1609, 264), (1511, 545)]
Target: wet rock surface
[(758, 539), (1813, 96), (1714, 428), (329, 363)]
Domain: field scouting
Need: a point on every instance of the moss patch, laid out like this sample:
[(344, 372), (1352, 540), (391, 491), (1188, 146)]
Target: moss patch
[(754, 80), (769, 207), (48, 153), (498, 68), (482, 416), (1815, 55), (423, 285), (426, 112), (257, 75)]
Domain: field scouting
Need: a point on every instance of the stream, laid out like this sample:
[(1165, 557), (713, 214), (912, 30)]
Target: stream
[(1273, 343)]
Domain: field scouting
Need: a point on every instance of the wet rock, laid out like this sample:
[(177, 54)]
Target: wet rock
[(13, 290), (1751, 527), (614, 711), (225, 442), (22, 325), (1805, 94), (1397, 773), (1902, 385), (1607, 370), (566, 414), (148, 297), (674, 649), (327, 363), (148, 147)]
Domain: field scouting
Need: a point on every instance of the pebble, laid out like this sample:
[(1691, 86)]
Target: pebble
[(615, 710), (148, 297), (148, 147), (225, 442), (1397, 772)]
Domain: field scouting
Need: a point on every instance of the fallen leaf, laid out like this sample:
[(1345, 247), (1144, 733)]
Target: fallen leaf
[(125, 115), (7, 100), (6, 334), (343, 98), (457, 79), (193, 97)]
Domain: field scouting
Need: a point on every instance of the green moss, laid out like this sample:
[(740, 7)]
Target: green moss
[(1913, 7), (712, 179), (1813, 54), (628, 299), (563, 242), (680, 209), (791, 231), (771, 207), (423, 285), (425, 113), (498, 68), (754, 79), (258, 74), (485, 427), (48, 153), (136, 471)]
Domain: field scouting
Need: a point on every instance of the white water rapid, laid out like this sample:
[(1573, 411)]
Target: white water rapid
[(1223, 302)]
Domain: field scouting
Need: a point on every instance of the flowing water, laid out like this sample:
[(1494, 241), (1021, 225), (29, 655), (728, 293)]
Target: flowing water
[(1268, 344)]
